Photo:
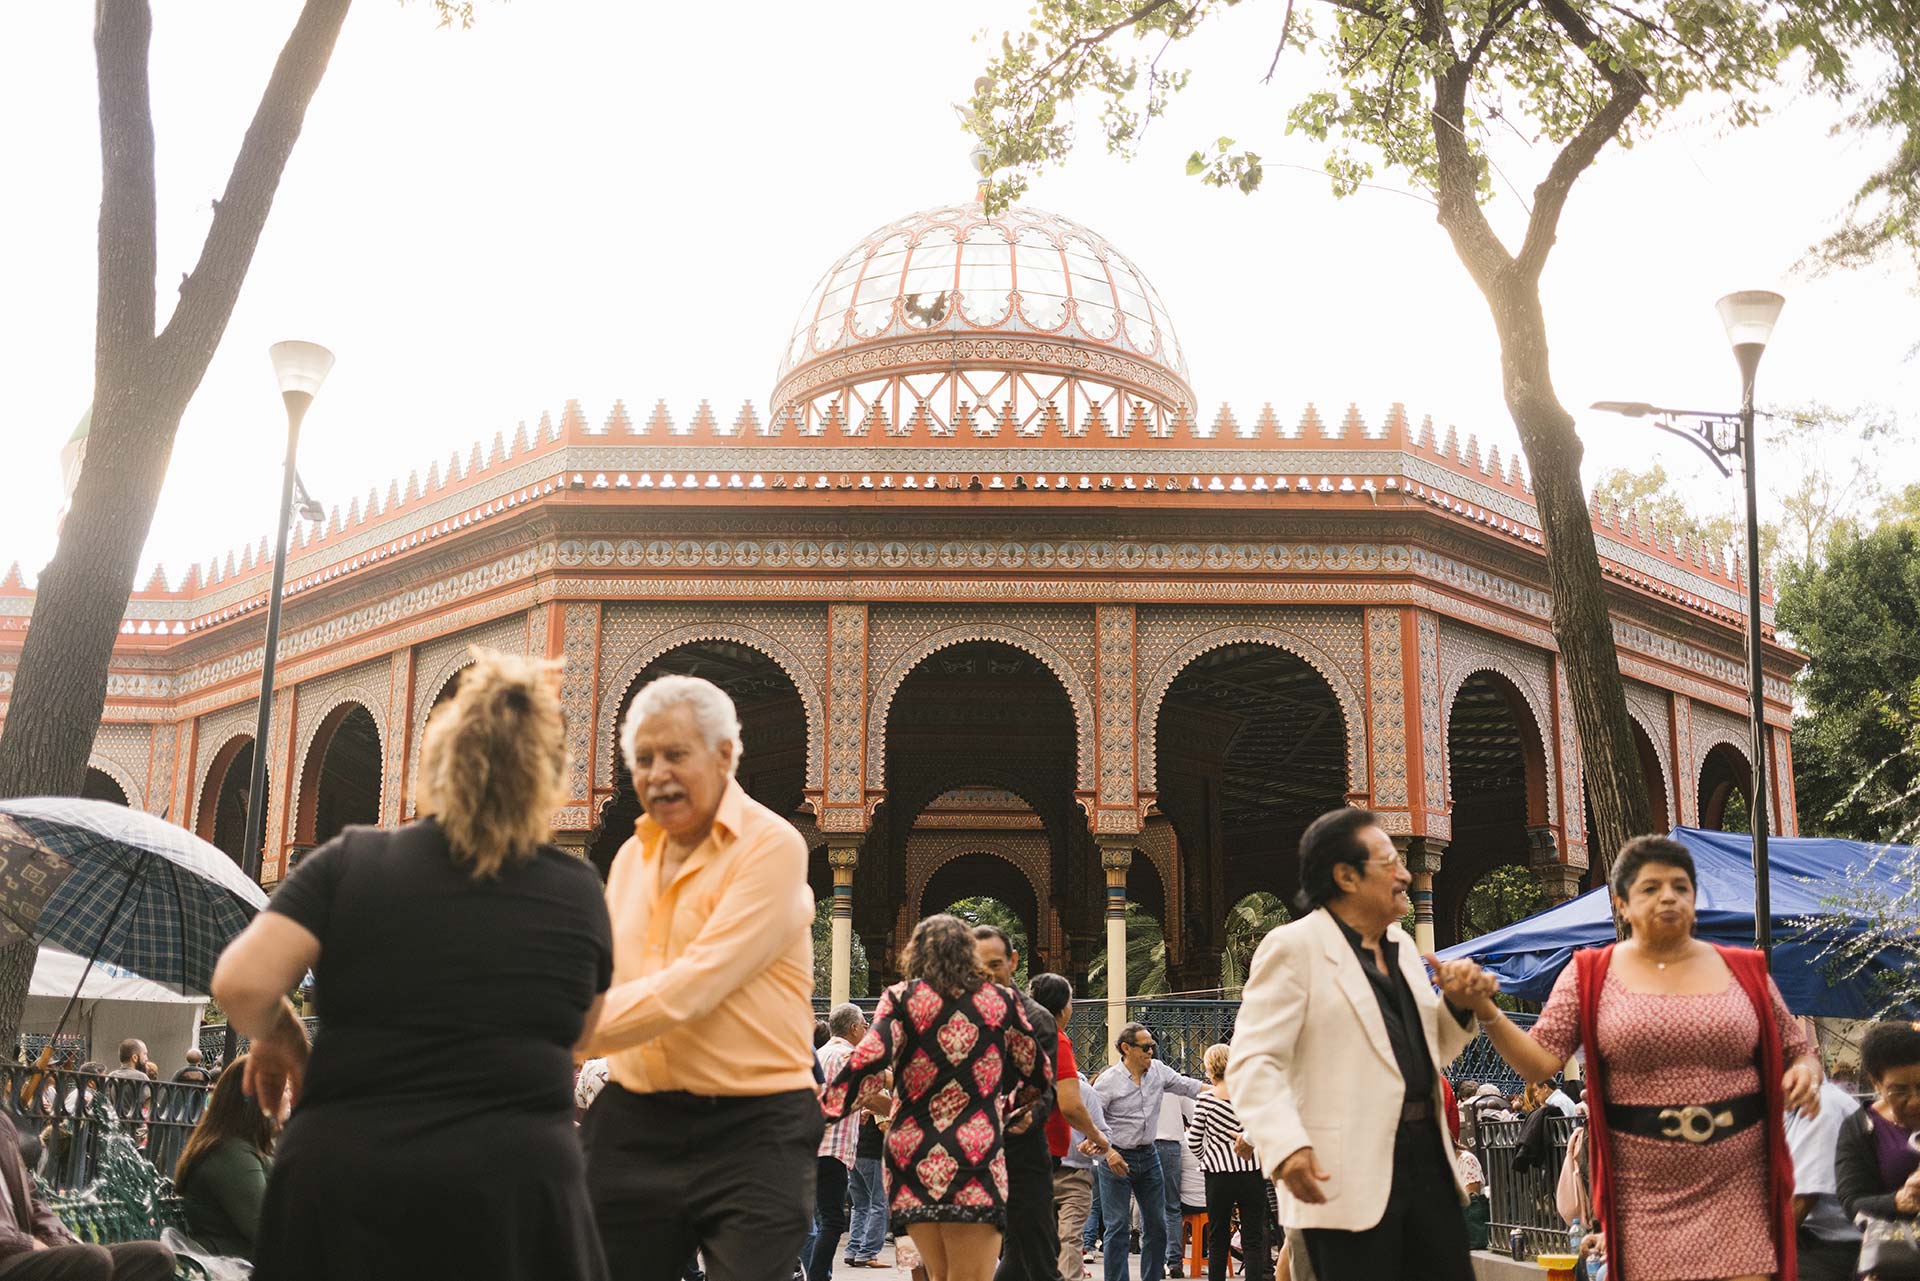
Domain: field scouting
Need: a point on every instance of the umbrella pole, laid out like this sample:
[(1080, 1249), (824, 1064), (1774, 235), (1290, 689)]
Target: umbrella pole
[(99, 944)]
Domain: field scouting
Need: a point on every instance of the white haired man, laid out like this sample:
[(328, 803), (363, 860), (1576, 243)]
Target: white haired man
[(706, 1134)]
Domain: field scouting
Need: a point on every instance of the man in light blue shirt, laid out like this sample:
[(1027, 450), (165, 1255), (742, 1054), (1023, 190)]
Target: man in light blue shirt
[(1130, 1092)]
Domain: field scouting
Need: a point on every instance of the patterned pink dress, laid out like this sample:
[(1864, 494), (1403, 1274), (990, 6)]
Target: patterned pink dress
[(1689, 1211), (954, 1061)]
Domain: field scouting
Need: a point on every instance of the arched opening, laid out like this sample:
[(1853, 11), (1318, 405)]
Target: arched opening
[(101, 786), (1500, 897), (341, 786), (1250, 747), (223, 797), (1248, 922), (1656, 780), (1496, 775), (980, 744), (1726, 790), (773, 733)]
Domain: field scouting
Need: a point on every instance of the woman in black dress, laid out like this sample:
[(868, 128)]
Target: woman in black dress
[(454, 963)]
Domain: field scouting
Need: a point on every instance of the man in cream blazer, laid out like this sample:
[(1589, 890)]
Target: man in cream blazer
[(1336, 1062)]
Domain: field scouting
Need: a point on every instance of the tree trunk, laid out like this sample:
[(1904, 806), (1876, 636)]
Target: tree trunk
[(1616, 787), (142, 384)]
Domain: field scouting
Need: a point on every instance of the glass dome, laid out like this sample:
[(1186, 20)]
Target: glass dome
[(954, 270)]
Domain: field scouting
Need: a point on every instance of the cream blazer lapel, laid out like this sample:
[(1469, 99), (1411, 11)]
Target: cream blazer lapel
[(1353, 984)]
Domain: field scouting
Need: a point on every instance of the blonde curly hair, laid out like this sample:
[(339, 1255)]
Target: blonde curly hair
[(493, 764)]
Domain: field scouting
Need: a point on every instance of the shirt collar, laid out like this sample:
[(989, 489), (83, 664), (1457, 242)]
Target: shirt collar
[(1358, 944), (727, 822)]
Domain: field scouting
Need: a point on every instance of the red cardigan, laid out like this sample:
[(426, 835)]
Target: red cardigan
[(1750, 971)]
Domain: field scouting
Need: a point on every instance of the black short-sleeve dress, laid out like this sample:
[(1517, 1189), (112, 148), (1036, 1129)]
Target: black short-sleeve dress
[(434, 1134)]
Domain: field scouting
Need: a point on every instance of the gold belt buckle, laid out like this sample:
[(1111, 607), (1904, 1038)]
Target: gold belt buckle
[(1693, 1123)]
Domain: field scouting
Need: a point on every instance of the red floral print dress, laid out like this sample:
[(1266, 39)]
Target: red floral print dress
[(955, 1061)]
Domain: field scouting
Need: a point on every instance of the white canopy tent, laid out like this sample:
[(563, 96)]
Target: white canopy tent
[(114, 1004)]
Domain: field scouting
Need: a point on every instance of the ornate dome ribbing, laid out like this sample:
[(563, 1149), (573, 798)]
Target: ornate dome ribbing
[(953, 323)]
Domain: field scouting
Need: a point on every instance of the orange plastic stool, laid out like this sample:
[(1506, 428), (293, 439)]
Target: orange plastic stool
[(1195, 1227)]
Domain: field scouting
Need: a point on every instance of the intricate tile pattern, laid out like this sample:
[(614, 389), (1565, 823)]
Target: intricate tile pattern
[(1573, 799), (1464, 652), (124, 753), (846, 707), (1387, 709), (1028, 852), (580, 633), (183, 775), (1331, 641), (1433, 728), (898, 639), (437, 661), (216, 731), (400, 676), (160, 788), (1689, 783), (1787, 821), (1113, 627), (794, 636), (1712, 727), (283, 789)]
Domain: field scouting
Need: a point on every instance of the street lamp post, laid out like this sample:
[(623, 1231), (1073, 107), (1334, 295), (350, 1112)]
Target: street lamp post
[(1748, 317), (300, 368)]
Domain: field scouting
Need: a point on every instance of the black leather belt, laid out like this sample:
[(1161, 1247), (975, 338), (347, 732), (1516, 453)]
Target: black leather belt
[(1688, 1123)]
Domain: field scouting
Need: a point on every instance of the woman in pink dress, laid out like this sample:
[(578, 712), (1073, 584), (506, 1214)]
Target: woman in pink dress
[(1692, 1062)]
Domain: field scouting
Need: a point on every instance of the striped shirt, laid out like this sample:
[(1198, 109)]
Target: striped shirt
[(842, 1137), (1210, 1137)]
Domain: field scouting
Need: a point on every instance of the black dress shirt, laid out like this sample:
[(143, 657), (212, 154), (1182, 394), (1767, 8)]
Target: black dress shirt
[(1397, 1008)]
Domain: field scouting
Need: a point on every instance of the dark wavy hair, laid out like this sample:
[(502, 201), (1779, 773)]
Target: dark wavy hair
[(942, 955), (1330, 840), (230, 1114), (1641, 851), (1887, 1046)]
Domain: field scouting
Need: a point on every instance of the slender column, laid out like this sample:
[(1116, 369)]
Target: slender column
[(1115, 858), (1422, 854), (842, 857), (1560, 880)]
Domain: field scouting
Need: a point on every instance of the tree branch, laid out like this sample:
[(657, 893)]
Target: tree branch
[(1286, 28), (1098, 38), (1550, 197), (124, 305), (208, 293)]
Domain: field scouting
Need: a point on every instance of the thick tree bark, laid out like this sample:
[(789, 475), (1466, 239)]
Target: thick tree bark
[(1616, 788), (142, 384)]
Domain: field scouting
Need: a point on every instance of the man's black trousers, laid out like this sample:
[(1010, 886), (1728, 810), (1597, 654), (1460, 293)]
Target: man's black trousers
[(1423, 1234), (1030, 1250), (733, 1178), (829, 1216)]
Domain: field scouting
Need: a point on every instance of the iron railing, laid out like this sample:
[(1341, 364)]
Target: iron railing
[(1524, 1199), (213, 1039), (1479, 1062), (73, 1112)]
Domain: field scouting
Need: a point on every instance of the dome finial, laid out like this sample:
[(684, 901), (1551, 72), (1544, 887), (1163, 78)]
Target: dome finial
[(979, 157)]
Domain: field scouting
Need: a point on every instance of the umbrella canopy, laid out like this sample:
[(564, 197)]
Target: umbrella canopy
[(100, 879), (1529, 954)]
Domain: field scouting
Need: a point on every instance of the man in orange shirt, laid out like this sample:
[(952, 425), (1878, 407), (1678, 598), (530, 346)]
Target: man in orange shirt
[(706, 1133)]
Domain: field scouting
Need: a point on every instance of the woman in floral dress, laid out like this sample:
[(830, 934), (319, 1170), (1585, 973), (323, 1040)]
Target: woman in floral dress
[(1692, 1061), (959, 1046)]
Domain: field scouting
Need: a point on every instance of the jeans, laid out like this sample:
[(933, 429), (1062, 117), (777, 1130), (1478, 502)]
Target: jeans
[(1141, 1182), (869, 1232), (1170, 1157)]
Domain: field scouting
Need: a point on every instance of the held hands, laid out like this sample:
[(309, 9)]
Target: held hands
[(1242, 1148), (1303, 1177), (1465, 985), (1907, 1199), (1801, 1088)]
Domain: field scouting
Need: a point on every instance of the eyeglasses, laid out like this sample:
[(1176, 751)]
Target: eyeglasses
[(1900, 1093)]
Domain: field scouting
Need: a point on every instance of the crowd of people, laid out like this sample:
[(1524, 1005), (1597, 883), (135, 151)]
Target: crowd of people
[(626, 1081)]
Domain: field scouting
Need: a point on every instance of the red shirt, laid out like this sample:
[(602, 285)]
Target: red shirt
[(1059, 1129)]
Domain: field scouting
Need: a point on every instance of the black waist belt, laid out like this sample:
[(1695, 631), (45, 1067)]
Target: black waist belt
[(1688, 1123)]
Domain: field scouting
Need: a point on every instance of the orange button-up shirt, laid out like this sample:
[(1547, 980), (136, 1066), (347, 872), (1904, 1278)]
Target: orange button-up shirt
[(713, 972)]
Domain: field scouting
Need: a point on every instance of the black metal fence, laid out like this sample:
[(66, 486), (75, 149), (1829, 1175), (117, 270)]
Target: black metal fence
[(72, 1113), (1519, 1197), (213, 1039)]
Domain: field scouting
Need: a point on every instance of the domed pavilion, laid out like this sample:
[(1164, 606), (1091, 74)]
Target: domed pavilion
[(1004, 612)]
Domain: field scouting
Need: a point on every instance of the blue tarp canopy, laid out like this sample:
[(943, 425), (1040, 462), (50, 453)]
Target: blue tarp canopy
[(1529, 954)]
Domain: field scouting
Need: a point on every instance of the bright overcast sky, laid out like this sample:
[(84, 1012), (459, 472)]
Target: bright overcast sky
[(621, 200)]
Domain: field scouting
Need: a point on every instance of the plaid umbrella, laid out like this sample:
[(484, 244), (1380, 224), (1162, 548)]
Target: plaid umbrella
[(114, 884)]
